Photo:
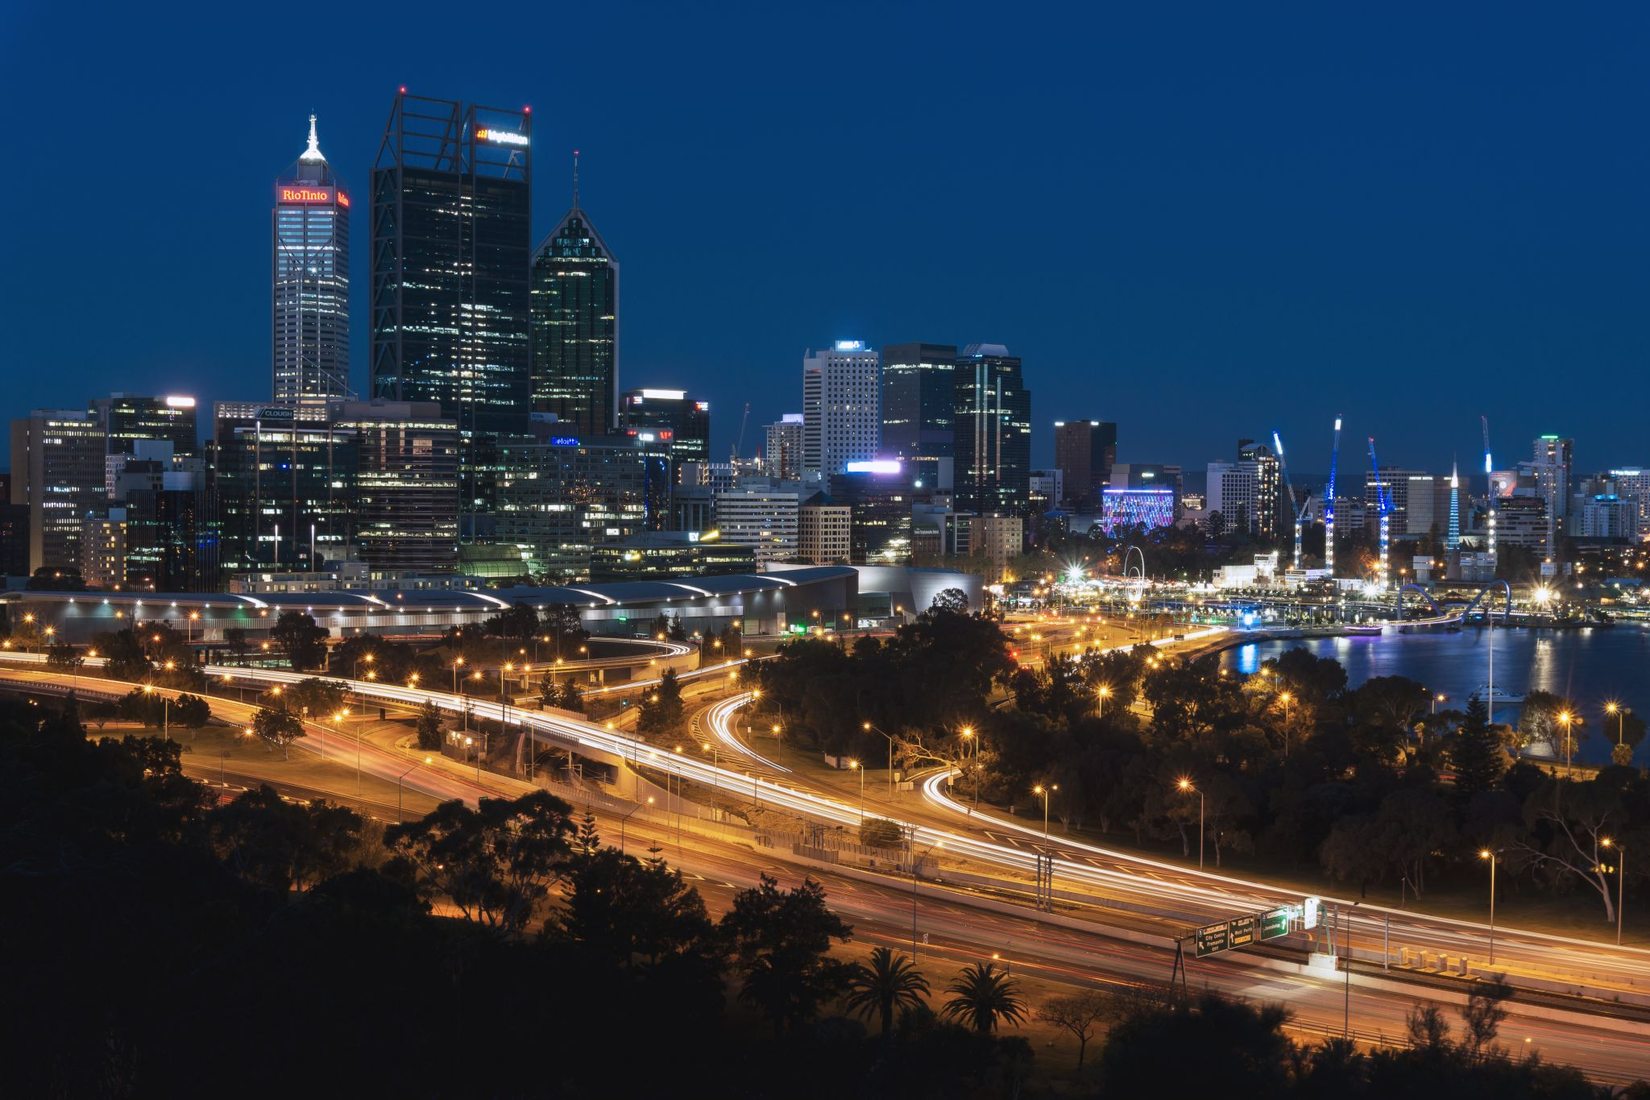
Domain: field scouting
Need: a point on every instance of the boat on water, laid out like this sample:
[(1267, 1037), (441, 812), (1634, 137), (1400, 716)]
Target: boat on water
[(1498, 695)]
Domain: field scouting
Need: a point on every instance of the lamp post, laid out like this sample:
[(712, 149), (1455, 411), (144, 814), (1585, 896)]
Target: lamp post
[(1045, 792), (860, 768), (911, 856), (869, 728), (1286, 698), (715, 762), (1621, 882), (1102, 691), (1346, 967), (967, 734), (1621, 718), (1437, 698), (1568, 720), (165, 711), (1488, 854), (1186, 786), (399, 816)]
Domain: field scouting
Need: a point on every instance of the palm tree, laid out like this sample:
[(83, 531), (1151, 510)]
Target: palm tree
[(890, 982), (985, 997)]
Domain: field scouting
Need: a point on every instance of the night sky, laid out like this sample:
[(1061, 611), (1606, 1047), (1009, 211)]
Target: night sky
[(1199, 221)]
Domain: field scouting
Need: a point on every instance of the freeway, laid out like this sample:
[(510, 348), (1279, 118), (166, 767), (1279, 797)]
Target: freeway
[(1176, 897)]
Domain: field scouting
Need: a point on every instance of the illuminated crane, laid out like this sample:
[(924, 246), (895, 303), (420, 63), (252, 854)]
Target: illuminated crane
[(1489, 481), (1329, 506), (1383, 504), (1289, 490)]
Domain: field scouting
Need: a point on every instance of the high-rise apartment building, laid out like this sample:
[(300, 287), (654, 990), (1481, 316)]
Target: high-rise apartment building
[(57, 473), (841, 408), (451, 262), (575, 310), (1552, 463), (824, 531), (670, 417), (782, 448), (919, 409), (1085, 451), (309, 273), (993, 431)]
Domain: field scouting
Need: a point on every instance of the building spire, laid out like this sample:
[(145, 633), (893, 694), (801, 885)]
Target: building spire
[(575, 179), (314, 150)]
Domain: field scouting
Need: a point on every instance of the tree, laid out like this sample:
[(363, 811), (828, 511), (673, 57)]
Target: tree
[(315, 696), (1475, 753), (282, 845), (277, 728), (562, 626), (879, 832), (299, 638), (1483, 1015), (191, 711), (890, 983), (662, 710), (518, 622), (633, 912), (496, 862), (63, 657), (429, 727), (954, 600), (1567, 823), (782, 940), (235, 638), (983, 997), (125, 656), (1078, 1014), (1209, 1047)]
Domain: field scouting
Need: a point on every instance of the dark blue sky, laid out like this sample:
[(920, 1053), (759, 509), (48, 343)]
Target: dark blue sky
[(1200, 221)]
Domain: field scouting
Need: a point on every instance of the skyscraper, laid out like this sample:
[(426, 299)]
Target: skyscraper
[(451, 258), (993, 431), (783, 447), (919, 405), (1085, 451), (57, 473), (673, 418), (841, 407), (310, 277), (575, 310), (129, 418)]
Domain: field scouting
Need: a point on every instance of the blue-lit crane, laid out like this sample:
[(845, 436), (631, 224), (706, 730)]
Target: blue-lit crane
[(1489, 480), (1329, 506), (1383, 504), (1299, 513)]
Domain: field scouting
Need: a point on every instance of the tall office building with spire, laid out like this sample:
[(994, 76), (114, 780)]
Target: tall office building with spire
[(451, 253), (575, 311), (310, 277)]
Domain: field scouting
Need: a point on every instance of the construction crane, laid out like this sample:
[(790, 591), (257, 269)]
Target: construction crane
[(1329, 506), (1300, 512), (740, 442), (1383, 504), (1489, 483)]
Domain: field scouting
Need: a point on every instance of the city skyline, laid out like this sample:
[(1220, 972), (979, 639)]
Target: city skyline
[(1376, 240)]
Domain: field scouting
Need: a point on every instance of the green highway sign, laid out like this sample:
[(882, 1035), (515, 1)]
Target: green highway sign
[(1212, 938), (1274, 923), (1242, 931)]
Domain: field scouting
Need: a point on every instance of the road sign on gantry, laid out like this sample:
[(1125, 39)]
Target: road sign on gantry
[(1274, 923), (1241, 931), (1212, 939)]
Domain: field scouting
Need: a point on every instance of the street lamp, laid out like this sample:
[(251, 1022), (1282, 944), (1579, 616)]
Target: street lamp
[(1045, 792), (1621, 881), (165, 711), (869, 728), (967, 734), (715, 762), (1102, 691), (1436, 699), (458, 663), (1568, 719), (1620, 712), (1488, 854), (398, 814), (860, 768), (1185, 786)]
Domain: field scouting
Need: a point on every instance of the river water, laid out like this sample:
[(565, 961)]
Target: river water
[(1587, 665)]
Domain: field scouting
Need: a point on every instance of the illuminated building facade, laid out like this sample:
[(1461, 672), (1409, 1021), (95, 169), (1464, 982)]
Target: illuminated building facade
[(919, 406), (57, 473), (310, 279), (1085, 451), (993, 432), (670, 417), (575, 311), (129, 418), (405, 502), (1126, 509), (451, 261), (841, 408)]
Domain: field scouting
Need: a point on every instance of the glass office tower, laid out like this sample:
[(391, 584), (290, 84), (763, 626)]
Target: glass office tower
[(993, 432), (575, 310), (451, 255), (919, 402), (310, 277)]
